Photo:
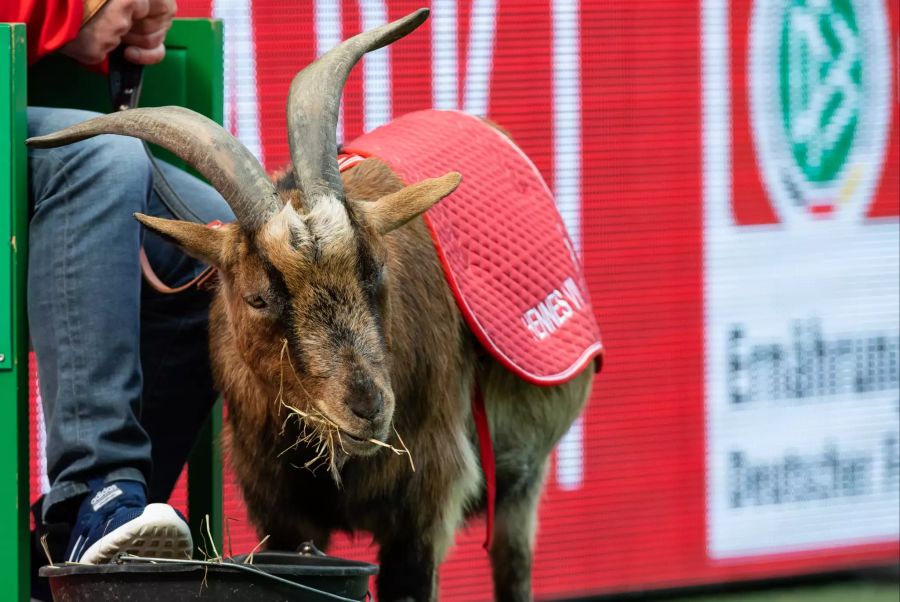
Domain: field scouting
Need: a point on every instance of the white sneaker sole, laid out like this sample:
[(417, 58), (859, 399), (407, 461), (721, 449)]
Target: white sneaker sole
[(158, 532)]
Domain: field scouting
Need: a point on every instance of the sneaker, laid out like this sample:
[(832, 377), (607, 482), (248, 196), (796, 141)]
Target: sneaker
[(117, 519)]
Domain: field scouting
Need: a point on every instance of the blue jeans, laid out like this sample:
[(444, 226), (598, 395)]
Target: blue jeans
[(124, 372)]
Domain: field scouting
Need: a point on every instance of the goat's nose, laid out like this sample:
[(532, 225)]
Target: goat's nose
[(366, 401)]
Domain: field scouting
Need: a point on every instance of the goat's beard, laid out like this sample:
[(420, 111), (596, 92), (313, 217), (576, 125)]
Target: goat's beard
[(320, 435), (318, 442), (317, 433)]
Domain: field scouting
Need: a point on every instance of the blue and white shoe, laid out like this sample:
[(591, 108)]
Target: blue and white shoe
[(117, 519)]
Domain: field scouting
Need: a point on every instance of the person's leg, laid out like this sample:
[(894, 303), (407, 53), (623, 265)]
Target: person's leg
[(84, 306), (84, 235)]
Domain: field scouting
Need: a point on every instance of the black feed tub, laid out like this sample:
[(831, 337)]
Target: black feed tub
[(311, 577)]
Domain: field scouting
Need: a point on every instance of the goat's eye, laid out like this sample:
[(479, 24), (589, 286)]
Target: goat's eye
[(255, 301)]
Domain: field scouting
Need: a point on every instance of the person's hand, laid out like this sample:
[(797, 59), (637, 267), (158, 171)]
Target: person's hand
[(147, 34), (104, 32), (141, 24)]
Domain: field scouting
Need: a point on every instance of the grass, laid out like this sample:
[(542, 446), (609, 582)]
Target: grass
[(835, 592), (867, 585)]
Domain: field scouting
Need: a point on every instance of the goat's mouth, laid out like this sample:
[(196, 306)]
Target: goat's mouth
[(347, 435), (321, 432), (353, 440), (354, 446), (357, 444), (334, 444)]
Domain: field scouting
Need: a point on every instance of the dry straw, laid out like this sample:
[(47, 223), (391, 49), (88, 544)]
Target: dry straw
[(318, 432)]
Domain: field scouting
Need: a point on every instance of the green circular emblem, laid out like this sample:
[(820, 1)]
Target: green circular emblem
[(819, 79), (820, 70)]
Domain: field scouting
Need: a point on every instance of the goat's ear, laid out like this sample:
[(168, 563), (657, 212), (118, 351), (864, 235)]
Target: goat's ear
[(393, 210), (197, 240)]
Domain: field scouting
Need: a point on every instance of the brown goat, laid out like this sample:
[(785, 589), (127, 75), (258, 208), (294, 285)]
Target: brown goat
[(333, 305)]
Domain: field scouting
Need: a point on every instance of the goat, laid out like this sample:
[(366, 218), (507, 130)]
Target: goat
[(332, 305)]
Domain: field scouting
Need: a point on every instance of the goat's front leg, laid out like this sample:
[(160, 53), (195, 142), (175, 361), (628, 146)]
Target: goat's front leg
[(285, 531), (408, 570), (414, 545)]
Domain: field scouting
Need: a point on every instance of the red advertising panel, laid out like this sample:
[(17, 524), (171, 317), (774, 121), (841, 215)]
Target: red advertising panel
[(730, 173)]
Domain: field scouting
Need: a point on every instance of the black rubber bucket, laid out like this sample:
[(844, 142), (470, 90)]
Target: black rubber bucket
[(305, 577)]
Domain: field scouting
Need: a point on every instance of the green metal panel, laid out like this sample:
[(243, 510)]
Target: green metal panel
[(14, 555), (205, 483), (58, 81), (204, 67), (204, 88)]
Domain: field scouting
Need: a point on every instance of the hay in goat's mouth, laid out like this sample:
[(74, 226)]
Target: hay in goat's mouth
[(319, 432)]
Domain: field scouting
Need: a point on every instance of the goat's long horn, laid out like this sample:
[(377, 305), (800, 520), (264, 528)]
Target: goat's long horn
[(315, 100), (223, 160)]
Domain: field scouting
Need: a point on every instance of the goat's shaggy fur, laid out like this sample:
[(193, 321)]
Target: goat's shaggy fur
[(433, 361)]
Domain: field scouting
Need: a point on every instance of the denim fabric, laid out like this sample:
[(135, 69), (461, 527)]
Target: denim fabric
[(124, 373)]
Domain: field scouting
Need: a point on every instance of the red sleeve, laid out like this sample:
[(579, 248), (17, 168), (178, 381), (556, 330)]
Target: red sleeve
[(49, 23)]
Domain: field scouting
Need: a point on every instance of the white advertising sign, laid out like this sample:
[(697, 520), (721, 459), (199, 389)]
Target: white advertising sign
[(803, 315)]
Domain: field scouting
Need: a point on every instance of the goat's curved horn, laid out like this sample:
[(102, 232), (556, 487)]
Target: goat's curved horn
[(222, 159), (315, 99)]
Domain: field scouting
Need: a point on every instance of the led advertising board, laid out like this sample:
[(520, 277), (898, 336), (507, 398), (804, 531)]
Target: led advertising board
[(730, 175)]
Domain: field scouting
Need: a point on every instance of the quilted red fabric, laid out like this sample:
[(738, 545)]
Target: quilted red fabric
[(503, 245)]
